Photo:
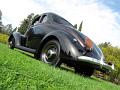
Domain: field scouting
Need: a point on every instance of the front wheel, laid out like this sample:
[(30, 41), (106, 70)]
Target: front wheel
[(11, 43), (50, 53)]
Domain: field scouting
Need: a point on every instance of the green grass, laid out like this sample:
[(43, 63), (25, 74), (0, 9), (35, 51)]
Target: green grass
[(3, 38), (18, 71)]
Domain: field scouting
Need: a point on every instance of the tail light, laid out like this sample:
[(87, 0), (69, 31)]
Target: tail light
[(88, 43)]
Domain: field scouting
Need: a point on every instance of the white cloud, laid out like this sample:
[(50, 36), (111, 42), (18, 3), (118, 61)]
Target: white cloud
[(14, 11), (100, 23)]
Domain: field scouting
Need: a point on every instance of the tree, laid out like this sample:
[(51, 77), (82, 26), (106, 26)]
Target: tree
[(7, 29), (75, 26), (80, 27), (25, 24), (106, 44), (112, 54), (1, 21)]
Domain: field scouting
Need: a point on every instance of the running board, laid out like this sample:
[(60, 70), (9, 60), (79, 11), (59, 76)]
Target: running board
[(26, 49)]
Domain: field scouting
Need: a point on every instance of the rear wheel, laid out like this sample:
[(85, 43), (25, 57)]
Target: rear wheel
[(11, 43), (85, 71), (50, 53)]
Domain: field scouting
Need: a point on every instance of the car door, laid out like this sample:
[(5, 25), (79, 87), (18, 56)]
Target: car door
[(36, 32), (30, 33)]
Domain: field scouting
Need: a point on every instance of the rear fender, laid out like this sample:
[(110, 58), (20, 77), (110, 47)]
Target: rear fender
[(66, 42)]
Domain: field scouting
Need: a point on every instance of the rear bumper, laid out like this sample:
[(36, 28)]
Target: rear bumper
[(97, 64)]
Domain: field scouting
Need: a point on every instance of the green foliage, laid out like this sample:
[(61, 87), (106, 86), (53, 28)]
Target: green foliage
[(3, 38), (18, 71), (25, 24), (112, 54), (7, 29), (106, 44), (75, 26), (80, 26)]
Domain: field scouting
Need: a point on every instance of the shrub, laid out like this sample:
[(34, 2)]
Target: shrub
[(112, 54), (3, 38)]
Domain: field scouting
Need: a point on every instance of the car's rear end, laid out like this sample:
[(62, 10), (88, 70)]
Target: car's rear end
[(92, 55)]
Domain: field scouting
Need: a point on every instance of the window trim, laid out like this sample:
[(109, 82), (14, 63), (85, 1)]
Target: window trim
[(42, 18), (37, 19)]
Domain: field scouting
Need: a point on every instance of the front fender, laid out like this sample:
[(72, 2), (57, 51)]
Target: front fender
[(66, 41), (17, 37)]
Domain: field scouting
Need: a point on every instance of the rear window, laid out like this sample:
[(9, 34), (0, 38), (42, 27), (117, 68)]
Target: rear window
[(60, 20)]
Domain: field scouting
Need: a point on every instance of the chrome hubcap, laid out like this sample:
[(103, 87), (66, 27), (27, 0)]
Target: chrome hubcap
[(49, 54)]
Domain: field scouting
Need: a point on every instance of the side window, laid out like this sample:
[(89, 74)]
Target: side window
[(36, 20), (43, 19)]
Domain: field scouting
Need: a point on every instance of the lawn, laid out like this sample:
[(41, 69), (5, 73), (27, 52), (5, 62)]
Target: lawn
[(19, 71)]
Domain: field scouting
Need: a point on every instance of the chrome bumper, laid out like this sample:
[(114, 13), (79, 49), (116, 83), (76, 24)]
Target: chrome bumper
[(100, 63)]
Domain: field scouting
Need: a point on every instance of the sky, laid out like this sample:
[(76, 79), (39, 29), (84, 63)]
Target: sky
[(101, 18)]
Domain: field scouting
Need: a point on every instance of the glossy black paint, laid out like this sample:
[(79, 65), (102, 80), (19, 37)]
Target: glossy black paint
[(72, 42)]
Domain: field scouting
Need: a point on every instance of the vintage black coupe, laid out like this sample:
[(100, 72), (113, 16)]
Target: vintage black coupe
[(54, 40)]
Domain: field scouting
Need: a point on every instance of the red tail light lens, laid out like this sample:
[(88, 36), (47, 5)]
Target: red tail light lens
[(88, 43)]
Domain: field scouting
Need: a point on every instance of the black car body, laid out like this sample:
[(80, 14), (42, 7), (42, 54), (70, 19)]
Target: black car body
[(54, 40)]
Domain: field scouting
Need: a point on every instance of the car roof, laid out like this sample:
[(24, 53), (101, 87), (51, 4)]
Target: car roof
[(50, 14)]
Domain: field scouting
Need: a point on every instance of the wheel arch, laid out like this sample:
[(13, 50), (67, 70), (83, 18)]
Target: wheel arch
[(46, 39), (17, 37), (11, 36), (65, 40)]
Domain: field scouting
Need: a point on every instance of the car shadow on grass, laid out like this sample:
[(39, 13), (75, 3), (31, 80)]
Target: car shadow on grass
[(71, 69), (62, 67), (25, 53)]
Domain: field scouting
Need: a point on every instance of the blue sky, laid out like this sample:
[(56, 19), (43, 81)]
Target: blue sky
[(101, 18), (113, 4)]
